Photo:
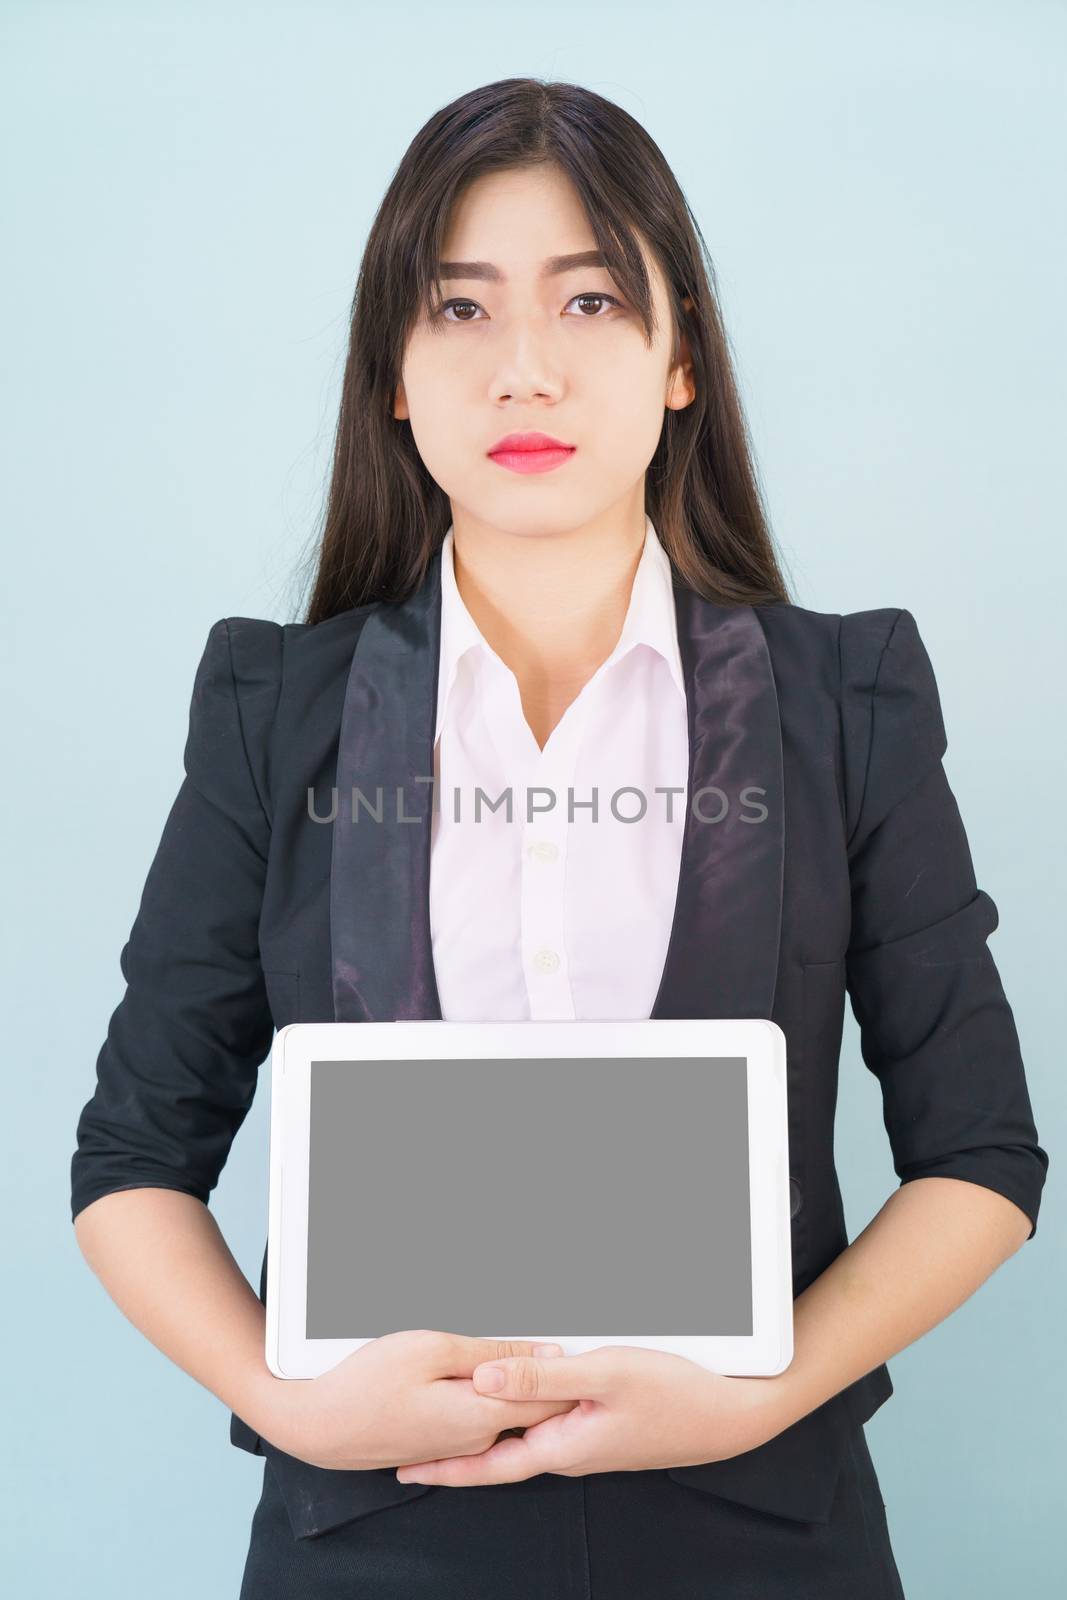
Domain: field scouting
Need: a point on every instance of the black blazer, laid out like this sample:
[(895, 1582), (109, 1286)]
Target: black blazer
[(860, 878)]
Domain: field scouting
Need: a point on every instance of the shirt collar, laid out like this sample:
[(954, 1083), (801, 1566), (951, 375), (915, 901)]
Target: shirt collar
[(651, 618)]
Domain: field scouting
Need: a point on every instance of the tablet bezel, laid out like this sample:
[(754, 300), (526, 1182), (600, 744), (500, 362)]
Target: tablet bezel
[(766, 1352)]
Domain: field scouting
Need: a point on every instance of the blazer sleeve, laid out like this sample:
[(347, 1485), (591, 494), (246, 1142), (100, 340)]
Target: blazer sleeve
[(177, 1072), (935, 1026)]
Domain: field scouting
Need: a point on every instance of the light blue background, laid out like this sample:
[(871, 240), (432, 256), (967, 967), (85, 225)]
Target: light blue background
[(186, 191)]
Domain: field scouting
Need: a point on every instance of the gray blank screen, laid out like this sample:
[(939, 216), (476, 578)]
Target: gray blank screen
[(588, 1197)]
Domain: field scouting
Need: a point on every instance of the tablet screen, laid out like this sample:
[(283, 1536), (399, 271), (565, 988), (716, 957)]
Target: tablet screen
[(513, 1196)]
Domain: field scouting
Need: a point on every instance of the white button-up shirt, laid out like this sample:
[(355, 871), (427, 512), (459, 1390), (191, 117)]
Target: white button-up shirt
[(545, 916)]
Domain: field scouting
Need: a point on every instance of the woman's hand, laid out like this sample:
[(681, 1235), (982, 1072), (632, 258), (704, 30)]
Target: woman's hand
[(398, 1399), (636, 1409)]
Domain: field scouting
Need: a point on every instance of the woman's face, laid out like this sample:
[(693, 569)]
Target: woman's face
[(559, 353)]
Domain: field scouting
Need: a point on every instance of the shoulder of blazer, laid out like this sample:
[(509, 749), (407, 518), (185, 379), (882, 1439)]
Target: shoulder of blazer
[(830, 652), (875, 676), (282, 674), (267, 655), (799, 628)]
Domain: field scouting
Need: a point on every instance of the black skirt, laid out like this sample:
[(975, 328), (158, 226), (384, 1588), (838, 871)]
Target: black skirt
[(605, 1536)]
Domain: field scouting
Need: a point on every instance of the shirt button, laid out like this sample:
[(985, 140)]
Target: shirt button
[(544, 850), (546, 961)]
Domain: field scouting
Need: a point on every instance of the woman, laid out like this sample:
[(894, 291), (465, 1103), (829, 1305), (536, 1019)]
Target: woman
[(545, 565)]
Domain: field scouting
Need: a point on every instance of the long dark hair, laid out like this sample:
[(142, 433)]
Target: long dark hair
[(385, 516)]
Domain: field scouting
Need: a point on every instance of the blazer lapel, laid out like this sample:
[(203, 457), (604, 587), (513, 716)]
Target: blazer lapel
[(380, 870), (722, 957)]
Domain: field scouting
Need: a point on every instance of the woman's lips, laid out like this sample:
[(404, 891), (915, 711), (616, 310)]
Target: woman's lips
[(531, 460)]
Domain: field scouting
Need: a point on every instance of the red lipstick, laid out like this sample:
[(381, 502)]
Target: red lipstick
[(530, 452)]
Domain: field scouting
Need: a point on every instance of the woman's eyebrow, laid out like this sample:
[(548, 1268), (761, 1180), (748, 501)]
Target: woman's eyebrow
[(550, 268)]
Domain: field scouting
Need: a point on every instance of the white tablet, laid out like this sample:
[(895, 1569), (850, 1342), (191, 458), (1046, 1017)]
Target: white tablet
[(585, 1183)]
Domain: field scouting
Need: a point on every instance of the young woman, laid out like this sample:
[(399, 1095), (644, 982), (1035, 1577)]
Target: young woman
[(545, 567)]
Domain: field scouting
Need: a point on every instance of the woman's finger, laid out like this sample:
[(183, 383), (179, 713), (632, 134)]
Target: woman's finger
[(586, 1377), (507, 1461)]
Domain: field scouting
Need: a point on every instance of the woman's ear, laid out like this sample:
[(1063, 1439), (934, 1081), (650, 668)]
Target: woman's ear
[(681, 388), (400, 404)]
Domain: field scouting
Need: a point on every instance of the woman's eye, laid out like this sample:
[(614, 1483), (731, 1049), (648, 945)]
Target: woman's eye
[(595, 294), (449, 304), (466, 306)]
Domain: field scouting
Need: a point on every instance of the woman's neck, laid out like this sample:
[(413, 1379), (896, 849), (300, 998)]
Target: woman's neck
[(551, 606)]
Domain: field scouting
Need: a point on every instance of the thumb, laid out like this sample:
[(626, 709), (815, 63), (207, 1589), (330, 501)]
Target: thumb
[(558, 1377), (461, 1353)]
